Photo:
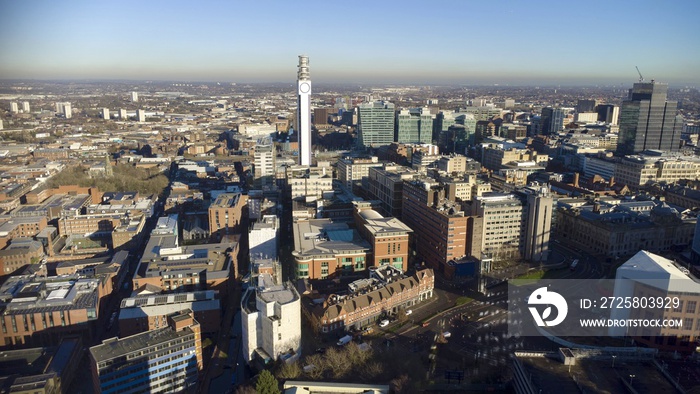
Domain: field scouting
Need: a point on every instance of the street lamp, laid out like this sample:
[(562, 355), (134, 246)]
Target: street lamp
[(614, 357), (632, 377)]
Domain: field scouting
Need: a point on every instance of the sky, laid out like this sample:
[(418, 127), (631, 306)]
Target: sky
[(375, 42)]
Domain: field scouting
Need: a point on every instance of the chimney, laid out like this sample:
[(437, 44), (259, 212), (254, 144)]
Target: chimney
[(576, 175)]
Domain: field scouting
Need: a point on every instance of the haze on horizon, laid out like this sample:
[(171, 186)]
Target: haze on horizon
[(444, 42)]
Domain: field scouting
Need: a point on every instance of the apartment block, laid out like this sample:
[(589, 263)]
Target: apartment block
[(226, 213)]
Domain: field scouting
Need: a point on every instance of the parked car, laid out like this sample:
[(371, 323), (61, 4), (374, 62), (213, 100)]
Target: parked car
[(384, 323), (408, 312)]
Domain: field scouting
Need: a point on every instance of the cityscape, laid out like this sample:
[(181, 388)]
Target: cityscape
[(401, 224)]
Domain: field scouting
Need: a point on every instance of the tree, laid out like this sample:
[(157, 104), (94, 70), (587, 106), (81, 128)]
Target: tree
[(288, 370), (267, 384)]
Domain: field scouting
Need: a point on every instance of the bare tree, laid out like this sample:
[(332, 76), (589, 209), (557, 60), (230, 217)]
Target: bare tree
[(288, 370), (338, 362), (315, 366)]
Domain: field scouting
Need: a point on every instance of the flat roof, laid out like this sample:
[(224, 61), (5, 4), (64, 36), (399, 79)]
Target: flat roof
[(115, 347)]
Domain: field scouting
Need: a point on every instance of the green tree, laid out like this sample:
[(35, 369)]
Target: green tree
[(267, 384)]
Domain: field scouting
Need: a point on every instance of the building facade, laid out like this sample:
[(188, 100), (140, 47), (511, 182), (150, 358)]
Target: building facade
[(165, 360), (271, 317), (375, 124)]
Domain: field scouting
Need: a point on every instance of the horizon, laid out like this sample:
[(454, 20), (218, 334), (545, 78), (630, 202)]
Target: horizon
[(504, 42)]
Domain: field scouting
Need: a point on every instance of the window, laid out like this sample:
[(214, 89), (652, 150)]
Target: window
[(680, 307), (690, 307)]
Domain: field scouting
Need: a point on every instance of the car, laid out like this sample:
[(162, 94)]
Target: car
[(408, 312), (446, 334), (368, 330), (384, 323)]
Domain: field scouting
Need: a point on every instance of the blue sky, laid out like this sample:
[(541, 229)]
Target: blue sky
[(460, 42)]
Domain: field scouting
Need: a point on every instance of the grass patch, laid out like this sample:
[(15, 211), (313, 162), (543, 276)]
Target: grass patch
[(463, 300), (538, 274)]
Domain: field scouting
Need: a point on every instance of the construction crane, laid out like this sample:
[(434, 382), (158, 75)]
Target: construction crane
[(641, 78)]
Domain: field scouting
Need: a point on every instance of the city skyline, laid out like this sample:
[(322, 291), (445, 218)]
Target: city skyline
[(406, 43)]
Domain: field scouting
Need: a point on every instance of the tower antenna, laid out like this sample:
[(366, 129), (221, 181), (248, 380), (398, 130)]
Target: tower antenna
[(641, 78)]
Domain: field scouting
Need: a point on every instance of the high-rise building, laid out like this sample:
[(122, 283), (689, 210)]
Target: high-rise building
[(552, 120), (648, 120), (122, 114), (134, 97), (608, 113), (439, 224), (105, 113), (414, 126), (165, 360), (14, 108), (375, 124), (264, 163), (271, 317), (321, 116), (1, 125), (25, 107), (585, 106), (304, 111), (67, 111), (141, 115), (538, 223)]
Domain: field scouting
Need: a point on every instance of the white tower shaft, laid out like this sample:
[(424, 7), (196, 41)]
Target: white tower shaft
[(304, 111)]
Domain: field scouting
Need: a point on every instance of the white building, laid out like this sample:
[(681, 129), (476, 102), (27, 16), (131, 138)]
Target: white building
[(141, 115), (134, 97), (304, 111), (67, 111), (25, 107), (264, 163), (648, 275), (14, 108), (122, 114), (271, 319), (105, 113), (263, 238)]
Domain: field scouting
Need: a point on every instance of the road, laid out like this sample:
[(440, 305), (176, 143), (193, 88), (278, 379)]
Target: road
[(233, 371)]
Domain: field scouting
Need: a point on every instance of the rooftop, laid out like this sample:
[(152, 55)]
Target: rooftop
[(323, 236), (115, 347)]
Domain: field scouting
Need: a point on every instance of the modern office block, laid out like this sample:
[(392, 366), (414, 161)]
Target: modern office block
[(165, 360), (648, 120), (375, 124), (552, 120), (414, 126)]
